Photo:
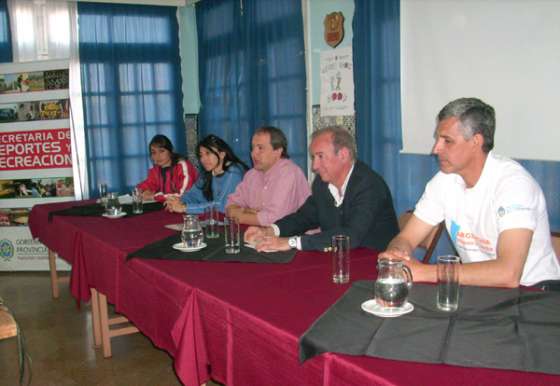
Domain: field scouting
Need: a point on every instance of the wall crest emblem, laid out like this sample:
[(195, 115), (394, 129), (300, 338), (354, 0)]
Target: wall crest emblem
[(334, 28)]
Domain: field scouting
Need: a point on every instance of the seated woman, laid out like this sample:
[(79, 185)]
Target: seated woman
[(171, 175), (223, 170)]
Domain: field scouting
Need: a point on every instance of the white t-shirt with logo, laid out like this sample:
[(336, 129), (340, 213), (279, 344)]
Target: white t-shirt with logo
[(505, 197)]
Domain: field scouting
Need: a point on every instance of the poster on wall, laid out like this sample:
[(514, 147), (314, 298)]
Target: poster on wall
[(337, 82), (35, 155)]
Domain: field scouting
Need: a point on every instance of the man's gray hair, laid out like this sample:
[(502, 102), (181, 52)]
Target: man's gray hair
[(341, 137), (476, 117)]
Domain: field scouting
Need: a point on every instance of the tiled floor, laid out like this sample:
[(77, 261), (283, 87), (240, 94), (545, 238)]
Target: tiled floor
[(59, 341)]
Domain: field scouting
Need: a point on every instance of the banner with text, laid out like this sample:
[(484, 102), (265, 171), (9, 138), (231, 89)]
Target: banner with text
[(20, 252), (35, 149)]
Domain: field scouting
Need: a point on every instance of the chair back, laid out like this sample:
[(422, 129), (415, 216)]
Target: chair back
[(430, 242), (555, 236)]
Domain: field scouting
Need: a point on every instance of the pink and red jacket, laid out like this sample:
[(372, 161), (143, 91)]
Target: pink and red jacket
[(171, 181)]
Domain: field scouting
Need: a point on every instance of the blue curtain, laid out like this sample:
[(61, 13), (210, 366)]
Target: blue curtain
[(376, 50), (131, 84), (252, 71), (5, 36)]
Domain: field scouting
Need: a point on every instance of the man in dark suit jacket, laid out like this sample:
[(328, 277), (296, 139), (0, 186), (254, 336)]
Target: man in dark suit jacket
[(349, 199)]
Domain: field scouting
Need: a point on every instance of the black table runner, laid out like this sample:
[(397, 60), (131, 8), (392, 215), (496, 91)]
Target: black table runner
[(214, 251), (494, 328), (98, 210)]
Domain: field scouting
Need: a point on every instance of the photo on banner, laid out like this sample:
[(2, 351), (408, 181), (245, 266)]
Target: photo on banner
[(33, 81), (14, 216), (34, 110), (37, 187)]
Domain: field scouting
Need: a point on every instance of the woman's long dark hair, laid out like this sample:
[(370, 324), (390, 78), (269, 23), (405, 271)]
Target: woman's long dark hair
[(160, 140), (215, 145)]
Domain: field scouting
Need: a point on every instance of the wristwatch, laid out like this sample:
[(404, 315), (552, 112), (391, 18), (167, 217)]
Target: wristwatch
[(292, 242)]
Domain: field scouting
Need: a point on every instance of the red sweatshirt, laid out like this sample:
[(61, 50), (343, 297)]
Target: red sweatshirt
[(171, 181)]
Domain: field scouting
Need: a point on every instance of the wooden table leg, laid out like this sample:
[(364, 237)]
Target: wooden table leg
[(54, 275), (104, 323), (95, 318)]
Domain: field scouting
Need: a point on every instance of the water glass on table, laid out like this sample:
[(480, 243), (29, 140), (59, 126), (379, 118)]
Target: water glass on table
[(211, 216), (102, 187), (231, 234), (448, 283), (137, 201), (340, 254)]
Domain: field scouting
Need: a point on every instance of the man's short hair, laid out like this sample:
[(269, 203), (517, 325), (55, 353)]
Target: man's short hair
[(277, 138), (475, 116), (341, 137)]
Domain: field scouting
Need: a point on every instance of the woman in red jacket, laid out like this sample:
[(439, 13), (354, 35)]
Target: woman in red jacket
[(171, 175)]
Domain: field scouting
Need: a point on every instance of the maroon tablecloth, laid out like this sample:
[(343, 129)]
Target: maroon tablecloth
[(237, 323)]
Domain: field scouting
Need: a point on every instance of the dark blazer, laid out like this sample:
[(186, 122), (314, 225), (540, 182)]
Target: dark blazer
[(366, 214)]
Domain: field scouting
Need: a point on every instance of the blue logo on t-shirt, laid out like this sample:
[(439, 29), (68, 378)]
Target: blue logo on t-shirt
[(454, 230)]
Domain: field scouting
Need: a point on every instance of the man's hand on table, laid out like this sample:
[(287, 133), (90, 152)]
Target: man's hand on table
[(420, 272), (255, 234), (273, 244)]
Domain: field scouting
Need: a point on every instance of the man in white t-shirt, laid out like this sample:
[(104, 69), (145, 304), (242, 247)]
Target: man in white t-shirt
[(494, 211)]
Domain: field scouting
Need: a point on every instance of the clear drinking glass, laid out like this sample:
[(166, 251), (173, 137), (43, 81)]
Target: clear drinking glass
[(102, 187), (191, 234), (211, 215), (340, 254), (137, 206), (231, 235), (113, 207), (448, 283)]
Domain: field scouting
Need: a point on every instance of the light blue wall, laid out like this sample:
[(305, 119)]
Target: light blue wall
[(318, 9), (189, 58)]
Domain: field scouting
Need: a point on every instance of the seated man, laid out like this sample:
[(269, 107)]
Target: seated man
[(494, 210), (275, 186), (349, 199)]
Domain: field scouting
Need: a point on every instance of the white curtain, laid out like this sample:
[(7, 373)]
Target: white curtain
[(47, 30), (40, 29), (79, 163)]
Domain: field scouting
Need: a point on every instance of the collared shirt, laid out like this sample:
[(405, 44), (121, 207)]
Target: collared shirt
[(339, 195), (279, 191)]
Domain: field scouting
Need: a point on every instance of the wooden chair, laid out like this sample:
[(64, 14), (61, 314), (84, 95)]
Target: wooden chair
[(555, 236), (430, 242), (8, 327)]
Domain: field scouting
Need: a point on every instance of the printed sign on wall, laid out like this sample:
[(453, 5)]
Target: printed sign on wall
[(337, 82), (35, 149), (20, 252)]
